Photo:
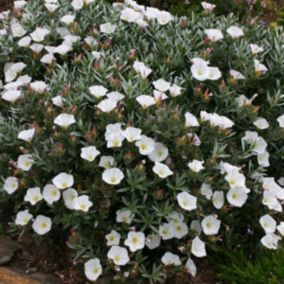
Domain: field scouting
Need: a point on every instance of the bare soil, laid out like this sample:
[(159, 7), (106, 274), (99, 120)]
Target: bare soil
[(5, 5)]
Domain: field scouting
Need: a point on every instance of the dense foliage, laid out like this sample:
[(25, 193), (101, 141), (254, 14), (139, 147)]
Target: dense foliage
[(144, 139)]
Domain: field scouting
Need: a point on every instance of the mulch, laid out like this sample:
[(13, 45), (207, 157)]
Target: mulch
[(5, 5)]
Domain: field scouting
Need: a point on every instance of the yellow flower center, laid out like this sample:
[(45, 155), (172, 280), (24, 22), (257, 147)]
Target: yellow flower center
[(143, 146), (82, 206), (43, 225), (64, 184), (113, 179), (234, 196), (36, 198), (134, 240), (117, 258)]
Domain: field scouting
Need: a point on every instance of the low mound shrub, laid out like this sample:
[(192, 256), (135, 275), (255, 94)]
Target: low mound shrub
[(143, 140)]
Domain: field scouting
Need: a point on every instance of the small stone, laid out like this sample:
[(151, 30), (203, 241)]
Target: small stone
[(7, 249)]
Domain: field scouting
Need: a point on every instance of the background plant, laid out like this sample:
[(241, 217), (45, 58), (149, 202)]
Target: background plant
[(168, 50)]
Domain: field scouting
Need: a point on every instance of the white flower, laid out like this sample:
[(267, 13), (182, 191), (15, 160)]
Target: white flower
[(23, 217), (63, 180), (97, 55), (89, 153), (11, 70), (195, 226), (255, 49), (196, 165), (20, 4), (176, 217), (58, 101), (112, 176), (236, 75), (214, 73), (47, 59), (181, 229), (11, 95), (259, 67), (235, 32), (124, 216), (237, 196), (77, 4), (33, 195), (130, 15), (160, 153), (270, 241), (145, 101), (187, 201), (161, 85), (51, 194), (42, 225), (153, 241), (234, 178), (51, 7), (26, 135), (17, 29), (162, 170), (135, 241), (36, 48), (39, 34), (190, 120), (38, 86), (263, 159), (63, 48), (64, 120), (214, 34), (171, 259), (107, 28), (208, 6), (175, 90), (261, 123), (69, 196), (132, 134), (107, 105), (25, 162), (216, 120), (200, 69), (270, 200), (164, 17), (210, 225), (167, 231), (268, 224), (115, 96), (146, 145), (24, 41), (194, 139), (114, 140), (11, 184), (106, 162), (82, 203), (206, 190), (98, 91), (218, 199), (67, 19), (93, 269), (280, 120), (141, 69), (119, 255), (280, 228), (190, 267), (198, 247), (159, 96), (113, 238)]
